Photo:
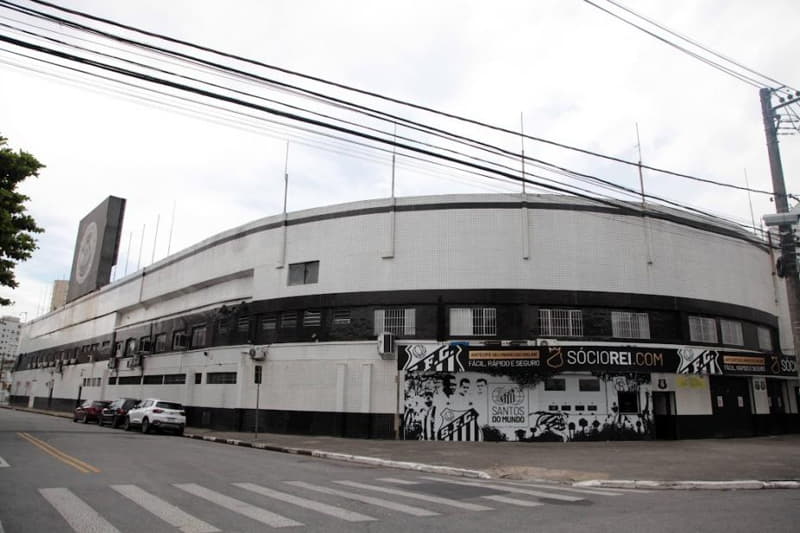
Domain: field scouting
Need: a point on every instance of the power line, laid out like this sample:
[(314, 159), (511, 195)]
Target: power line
[(371, 94)]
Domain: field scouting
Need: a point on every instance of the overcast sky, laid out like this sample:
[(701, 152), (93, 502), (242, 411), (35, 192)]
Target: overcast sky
[(577, 76)]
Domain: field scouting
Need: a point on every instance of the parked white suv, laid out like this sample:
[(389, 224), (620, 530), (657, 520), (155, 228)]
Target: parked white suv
[(156, 414)]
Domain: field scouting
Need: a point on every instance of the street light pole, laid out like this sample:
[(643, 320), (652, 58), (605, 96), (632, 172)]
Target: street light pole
[(787, 244)]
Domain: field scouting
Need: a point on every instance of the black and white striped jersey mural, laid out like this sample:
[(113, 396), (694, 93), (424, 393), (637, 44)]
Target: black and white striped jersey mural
[(442, 402)]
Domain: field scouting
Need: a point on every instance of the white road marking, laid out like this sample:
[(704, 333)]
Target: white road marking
[(76, 512), (419, 496), (508, 488), (513, 501), (238, 506), (165, 511), (598, 492), (330, 510), (398, 481), (3, 464), (378, 502)]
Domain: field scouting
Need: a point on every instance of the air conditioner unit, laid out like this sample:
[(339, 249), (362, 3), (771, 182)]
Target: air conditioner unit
[(386, 345), (136, 360), (258, 353)]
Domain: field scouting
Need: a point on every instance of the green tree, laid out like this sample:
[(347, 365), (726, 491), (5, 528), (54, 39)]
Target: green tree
[(17, 228)]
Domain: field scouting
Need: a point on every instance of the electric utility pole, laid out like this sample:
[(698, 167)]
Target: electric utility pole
[(788, 250)]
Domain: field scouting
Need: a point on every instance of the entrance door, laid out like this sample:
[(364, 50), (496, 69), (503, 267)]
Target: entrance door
[(664, 415), (777, 406), (730, 401)]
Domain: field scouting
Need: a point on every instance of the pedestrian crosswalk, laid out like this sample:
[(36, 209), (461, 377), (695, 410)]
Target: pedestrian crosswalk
[(194, 508)]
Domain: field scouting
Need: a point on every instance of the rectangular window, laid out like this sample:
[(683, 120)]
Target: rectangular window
[(395, 320), (561, 322), (129, 380), (630, 325), (702, 329), (269, 322), (312, 319), (288, 320), (112, 380), (243, 325), (555, 384), (588, 385), (303, 273), (473, 321), (174, 379), (118, 349), (220, 378), (198, 378), (198, 336), (764, 338), (341, 317), (153, 380), (179, 340), (144, 344), (731, 332), (130, 347), (161, 342)]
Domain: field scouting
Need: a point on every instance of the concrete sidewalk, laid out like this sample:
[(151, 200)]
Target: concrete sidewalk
[(757, 458)]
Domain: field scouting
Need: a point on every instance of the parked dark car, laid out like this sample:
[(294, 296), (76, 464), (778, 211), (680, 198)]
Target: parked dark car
[(114, 414), (89, 410)]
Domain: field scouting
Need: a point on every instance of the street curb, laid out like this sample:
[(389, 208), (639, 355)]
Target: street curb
[(358, 459), (745, 484), (58, 414)]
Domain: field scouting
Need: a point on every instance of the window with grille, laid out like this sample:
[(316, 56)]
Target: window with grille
[(175, 379), (289, 320), (178, 340), (303, 273), (731, 332), (269, 322), (243, 325), (395, 320), (561, 322), (220, 378), (473, 321), (589, 385), (130, 347), (702, 329), (312, 319), (161, 342), (153, 380), (198, 336), (764, 338), (630, 325), (341, 317)]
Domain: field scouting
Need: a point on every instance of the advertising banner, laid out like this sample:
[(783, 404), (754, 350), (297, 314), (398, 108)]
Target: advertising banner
[(544, 360)]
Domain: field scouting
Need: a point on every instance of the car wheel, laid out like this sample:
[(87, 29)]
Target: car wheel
[(127, 424), (85, 418), (145, 426), (114, 422), (74, 418), (179, 432)]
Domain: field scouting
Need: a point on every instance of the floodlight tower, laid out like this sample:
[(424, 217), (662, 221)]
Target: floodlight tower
[(784, 220)]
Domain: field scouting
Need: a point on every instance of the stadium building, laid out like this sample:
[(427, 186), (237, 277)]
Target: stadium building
[(470, 317)]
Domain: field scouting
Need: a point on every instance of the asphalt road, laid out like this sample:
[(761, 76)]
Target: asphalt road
[(63, 476)]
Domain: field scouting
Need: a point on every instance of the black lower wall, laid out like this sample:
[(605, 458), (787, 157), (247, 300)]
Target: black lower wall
[(711, 427), (356, 425)]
